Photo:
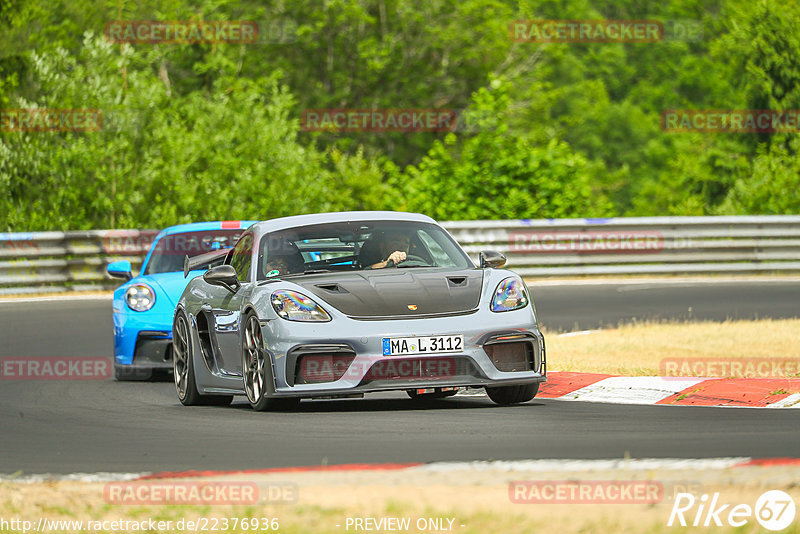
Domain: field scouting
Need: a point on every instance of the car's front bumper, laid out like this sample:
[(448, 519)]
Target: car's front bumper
[(369, 370), (144, 341)]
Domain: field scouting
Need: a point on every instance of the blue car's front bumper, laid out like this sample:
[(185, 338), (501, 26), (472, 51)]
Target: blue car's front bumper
[(142, 339)]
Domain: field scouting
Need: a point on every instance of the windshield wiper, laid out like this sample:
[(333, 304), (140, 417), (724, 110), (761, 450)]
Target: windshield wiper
[(316, 271), (401, 266)]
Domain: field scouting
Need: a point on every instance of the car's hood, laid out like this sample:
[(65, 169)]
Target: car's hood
[(170, 284), (397, 291)]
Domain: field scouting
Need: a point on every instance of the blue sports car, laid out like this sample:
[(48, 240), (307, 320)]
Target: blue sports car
[(144, 305)]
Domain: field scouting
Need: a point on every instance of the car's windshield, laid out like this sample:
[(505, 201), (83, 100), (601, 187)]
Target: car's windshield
[(170, 250), (357, 245)]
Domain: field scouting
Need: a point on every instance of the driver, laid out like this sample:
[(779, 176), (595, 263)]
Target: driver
[(394, 247)]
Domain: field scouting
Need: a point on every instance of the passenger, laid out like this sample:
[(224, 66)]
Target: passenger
[(275, 267)]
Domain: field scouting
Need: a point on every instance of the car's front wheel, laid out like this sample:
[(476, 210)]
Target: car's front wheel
[(513, 394), (183, 368), (257, 371)]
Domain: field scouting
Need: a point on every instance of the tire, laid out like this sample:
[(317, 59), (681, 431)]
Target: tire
[(257, 371), (513, 394), (183, 369), (127, 373), (428, 396)]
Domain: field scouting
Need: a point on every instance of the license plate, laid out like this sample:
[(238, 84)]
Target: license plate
[(395, 346)]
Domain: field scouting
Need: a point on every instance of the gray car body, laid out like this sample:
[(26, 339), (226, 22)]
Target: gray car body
[(223, 311)]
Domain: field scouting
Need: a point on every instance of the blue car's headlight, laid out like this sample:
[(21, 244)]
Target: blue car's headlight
[(140, 297), (509, 295), (294, 306)]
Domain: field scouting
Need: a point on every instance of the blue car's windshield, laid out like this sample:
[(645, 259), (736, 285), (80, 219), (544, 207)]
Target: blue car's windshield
[(170, 250)]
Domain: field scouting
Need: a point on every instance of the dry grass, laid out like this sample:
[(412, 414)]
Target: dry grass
[(478, 500), (638, 349)]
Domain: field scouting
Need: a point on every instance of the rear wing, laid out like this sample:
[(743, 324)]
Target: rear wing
[(204, 260)]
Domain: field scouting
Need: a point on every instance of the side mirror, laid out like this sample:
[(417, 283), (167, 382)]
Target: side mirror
[(120, 269), (490, 258), (223, 275)]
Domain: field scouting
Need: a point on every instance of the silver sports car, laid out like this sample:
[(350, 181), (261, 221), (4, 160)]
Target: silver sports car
[(342, 304)]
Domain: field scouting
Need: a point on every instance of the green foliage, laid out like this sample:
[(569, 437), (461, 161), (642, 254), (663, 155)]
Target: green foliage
[(495, 174), (229, 154), (205, 131), (773, 185)]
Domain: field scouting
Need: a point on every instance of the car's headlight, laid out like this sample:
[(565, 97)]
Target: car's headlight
[(294, 306), (140, 297), (509, 295)]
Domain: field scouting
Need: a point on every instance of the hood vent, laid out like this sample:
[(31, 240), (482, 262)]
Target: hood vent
[(332, 288)]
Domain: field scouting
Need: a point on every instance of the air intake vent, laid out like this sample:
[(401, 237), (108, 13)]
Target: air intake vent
[(333, 288), (511, 357), (457, 281)]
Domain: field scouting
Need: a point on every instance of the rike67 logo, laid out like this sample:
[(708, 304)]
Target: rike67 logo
[(774, 510)]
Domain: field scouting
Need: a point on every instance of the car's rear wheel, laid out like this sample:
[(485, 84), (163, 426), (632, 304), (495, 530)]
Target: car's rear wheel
[(513, 394), (257, 371), (183, 368)]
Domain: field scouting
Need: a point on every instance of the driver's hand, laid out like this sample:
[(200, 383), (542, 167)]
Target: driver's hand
[(397, 256)]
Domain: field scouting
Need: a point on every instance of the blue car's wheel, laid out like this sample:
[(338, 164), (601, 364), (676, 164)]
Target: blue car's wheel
[(182, 364), (257, 370)]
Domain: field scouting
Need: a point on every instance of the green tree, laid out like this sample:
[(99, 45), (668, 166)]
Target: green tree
[(229, 153), (495, 174)]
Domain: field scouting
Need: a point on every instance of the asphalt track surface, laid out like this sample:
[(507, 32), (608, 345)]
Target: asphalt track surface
[(90, 426)]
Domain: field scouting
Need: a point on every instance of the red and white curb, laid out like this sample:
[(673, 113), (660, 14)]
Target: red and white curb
[(633, 464), (675, 391)]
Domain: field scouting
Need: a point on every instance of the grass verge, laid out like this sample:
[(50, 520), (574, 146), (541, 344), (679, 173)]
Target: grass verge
[(641, 349)]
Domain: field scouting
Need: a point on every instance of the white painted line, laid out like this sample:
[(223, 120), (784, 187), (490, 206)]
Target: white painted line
[(584, 465), (631, 389), (76, 477), (792, 401), (534, 282), (639, 464)]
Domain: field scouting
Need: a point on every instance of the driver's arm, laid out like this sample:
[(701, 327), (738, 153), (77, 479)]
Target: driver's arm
[(397, 256)]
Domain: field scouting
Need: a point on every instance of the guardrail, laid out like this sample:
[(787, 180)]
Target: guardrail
[(535, 248), (34, 262), (639, 245)]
